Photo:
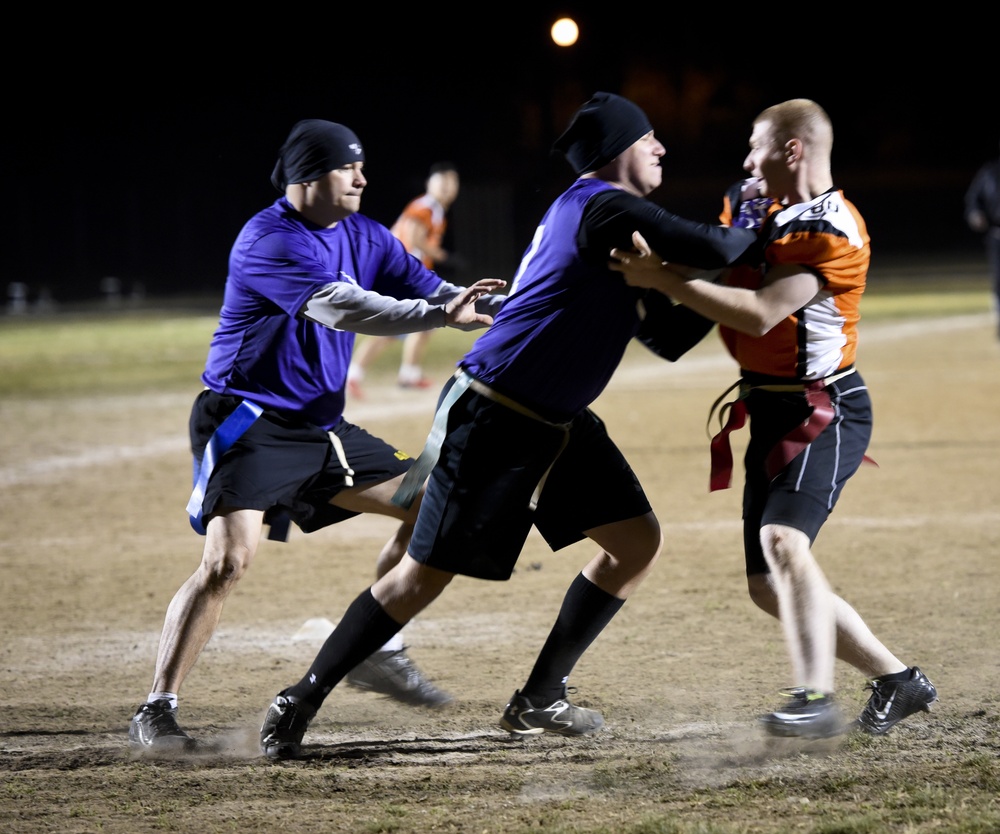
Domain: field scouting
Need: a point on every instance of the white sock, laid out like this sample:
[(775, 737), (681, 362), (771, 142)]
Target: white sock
[(394, 643), (409, 373), (159, 696)]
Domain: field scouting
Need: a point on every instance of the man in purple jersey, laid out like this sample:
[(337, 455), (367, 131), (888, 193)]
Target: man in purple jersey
[(515, 444), (268, 435)]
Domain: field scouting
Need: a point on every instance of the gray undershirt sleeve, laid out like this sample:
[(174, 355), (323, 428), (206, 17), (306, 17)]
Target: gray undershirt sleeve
[(344, 306)]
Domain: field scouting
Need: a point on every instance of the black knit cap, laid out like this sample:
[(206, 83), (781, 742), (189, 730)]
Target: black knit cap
[(600, 130), (314, 148)]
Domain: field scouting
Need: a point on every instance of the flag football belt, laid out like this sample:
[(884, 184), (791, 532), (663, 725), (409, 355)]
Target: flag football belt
[(422, 466), (732, 416), (228, 432)]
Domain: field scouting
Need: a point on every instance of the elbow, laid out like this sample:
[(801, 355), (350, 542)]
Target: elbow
[(755, 326)]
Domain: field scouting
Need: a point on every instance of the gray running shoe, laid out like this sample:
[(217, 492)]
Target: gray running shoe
[(809, 714), (154, 727), (392, 673), (892, 701), (283, 728), (522, 717)]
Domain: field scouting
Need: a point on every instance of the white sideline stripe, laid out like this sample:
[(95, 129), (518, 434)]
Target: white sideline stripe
[(855, 521), (415, 403), (402, 404), (886, 331)]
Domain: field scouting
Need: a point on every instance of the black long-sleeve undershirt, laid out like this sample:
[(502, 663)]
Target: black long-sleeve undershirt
[(612, 216), (667, 329)]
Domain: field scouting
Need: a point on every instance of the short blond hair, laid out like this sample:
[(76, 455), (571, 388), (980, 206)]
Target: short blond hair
[(800, 118)]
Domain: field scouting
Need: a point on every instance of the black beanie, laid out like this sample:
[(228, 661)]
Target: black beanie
[(314, 148), (600, 130)]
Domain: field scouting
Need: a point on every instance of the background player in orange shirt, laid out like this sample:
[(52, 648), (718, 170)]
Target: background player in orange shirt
[(420, 228), (789, 318)]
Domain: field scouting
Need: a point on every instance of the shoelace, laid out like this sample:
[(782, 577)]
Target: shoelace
[(292, 714), (164, 721), (878, 697)]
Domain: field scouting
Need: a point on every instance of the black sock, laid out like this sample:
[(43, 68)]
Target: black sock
[(586, 610), (905, 675), (363, 629)]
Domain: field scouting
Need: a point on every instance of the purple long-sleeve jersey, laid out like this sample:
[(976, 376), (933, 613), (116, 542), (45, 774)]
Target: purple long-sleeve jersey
[(295, 296)]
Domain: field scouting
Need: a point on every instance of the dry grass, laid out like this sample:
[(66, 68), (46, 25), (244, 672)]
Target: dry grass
[(94, 477)]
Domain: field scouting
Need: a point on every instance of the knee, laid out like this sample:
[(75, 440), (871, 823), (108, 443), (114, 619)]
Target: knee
[(647, 540), (220, 570), (409, 588), (785, 548), (645, 544), (657, 547), (762, 594)]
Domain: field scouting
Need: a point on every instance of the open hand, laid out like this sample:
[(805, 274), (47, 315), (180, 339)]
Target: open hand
[(642, 267), (461, 310)]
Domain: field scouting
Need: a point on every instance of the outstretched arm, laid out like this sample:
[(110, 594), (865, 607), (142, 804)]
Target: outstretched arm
[(345, 306), (786, 288), (461, 310)]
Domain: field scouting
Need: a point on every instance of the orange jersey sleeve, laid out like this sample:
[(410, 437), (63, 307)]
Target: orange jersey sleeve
[(430, 215), (828, 236)]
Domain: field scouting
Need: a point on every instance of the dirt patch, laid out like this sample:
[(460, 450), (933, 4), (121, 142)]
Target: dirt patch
[(95, 541)]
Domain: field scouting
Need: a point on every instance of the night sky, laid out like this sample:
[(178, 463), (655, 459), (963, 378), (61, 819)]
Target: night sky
[(138, 151)]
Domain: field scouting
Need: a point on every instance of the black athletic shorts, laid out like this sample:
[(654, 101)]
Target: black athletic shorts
[(475, 514), (281, 465), (805, 492)]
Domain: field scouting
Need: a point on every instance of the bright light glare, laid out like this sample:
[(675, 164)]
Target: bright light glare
[(565, 31)]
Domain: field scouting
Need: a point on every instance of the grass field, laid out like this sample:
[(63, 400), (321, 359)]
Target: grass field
[(94, 476), (154, 347)]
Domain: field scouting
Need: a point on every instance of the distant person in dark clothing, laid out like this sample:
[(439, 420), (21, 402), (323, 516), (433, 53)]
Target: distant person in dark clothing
[(982, 213)]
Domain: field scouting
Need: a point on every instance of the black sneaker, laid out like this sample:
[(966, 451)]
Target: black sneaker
[(284, 725), (524, 718), (154, 727), (392, 673), (810, 714), (891, 701)]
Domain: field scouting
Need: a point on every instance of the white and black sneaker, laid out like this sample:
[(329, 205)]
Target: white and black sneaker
[(808, 714), (522, 717), (154, 727), (284, 725), (392, 673), (891, 701)]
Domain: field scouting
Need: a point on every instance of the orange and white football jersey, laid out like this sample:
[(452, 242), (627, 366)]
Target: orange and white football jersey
[(828, 236), (426, 212)]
